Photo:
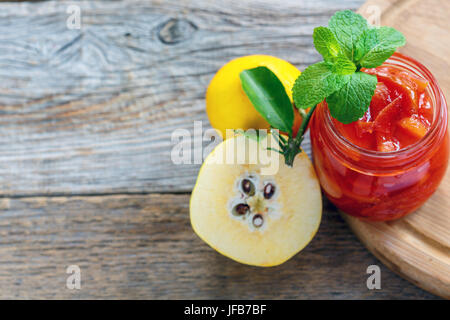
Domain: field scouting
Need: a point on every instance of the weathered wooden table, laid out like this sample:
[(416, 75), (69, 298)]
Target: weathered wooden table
[(86, 117)]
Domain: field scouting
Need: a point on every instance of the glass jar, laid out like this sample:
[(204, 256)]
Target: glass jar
[(375, 185)]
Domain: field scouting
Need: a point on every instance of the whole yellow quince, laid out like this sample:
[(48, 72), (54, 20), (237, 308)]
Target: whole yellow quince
[(227, 105)]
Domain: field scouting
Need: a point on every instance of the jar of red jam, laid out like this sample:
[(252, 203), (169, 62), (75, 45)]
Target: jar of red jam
[(388, 163)]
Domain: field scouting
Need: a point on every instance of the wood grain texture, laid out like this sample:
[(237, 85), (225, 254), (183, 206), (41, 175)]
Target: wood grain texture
[(142, 246), (92, 111), (418, 246)]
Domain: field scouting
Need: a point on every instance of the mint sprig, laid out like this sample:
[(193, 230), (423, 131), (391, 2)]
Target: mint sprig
[(347, 27), (348, 44)]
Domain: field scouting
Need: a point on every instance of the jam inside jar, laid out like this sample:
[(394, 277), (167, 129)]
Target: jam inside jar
[(383, 167)]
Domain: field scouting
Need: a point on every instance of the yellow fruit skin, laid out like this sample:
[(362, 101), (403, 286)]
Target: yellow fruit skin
[(300, 220), (227, 105)]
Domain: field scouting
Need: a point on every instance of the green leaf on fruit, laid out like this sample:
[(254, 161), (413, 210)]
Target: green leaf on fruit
[(268, 96)]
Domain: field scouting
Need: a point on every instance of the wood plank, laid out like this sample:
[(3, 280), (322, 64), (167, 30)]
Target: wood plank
[(142, 246), (92, 111)]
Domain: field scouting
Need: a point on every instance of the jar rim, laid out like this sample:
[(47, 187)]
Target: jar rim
[(439, 107)]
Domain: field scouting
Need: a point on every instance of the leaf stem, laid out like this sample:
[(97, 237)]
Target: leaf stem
[(292, 147), (305, 122)]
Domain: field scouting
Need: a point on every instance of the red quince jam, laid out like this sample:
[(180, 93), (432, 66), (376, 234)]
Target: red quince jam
[(388, 163), (399, 115)]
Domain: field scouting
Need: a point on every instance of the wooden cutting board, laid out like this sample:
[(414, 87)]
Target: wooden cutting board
[(417, 247)]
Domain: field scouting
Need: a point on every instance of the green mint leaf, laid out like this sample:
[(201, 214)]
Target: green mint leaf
[(268, 96), (343, 66), (347, 45), (315, 84), (376, 45), (347, 27), (349, 103), (326, 44)]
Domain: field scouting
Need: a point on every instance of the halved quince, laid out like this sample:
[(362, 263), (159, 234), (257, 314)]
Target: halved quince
[(255, 212)]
